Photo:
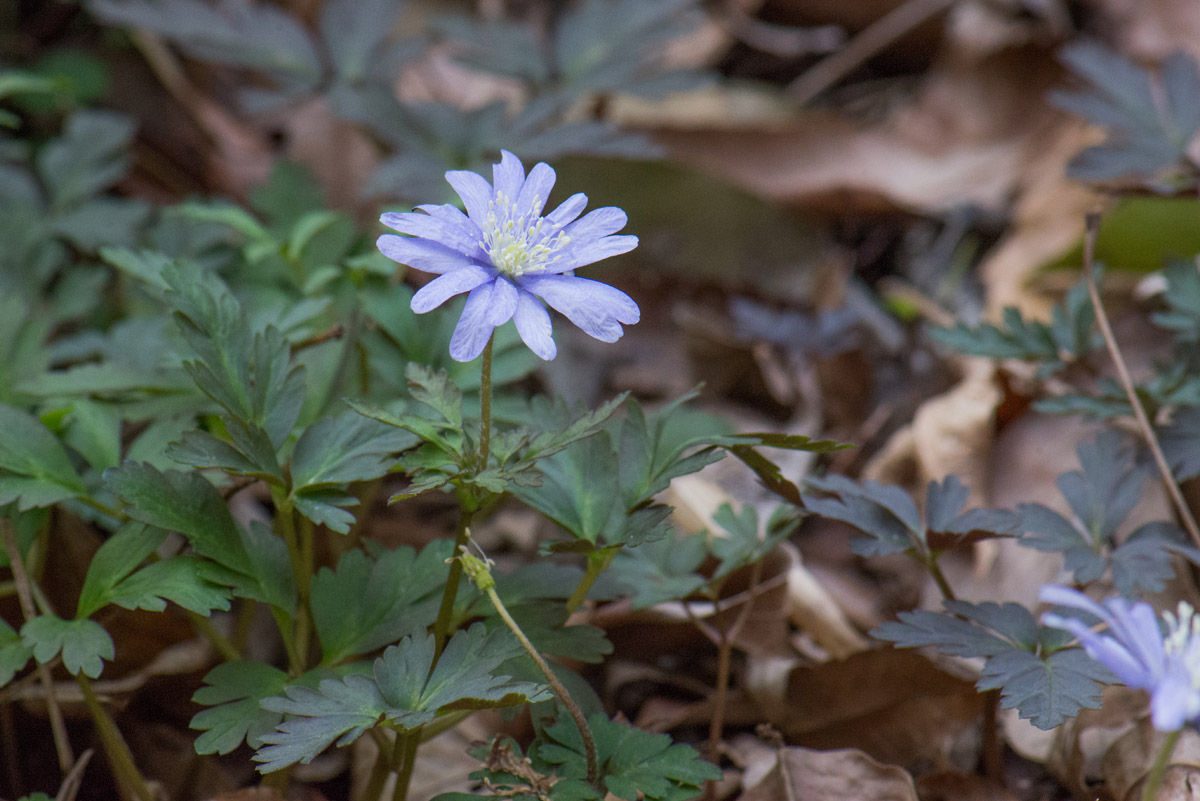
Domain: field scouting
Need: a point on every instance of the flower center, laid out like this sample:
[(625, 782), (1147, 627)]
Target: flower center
[(1182, 639), (519, 242)]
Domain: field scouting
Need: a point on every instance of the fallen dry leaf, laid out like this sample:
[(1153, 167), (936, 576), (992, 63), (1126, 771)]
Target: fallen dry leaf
[(803, 774)]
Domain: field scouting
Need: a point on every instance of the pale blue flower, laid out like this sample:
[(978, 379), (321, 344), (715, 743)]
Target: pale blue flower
[(1136, 649), (510, 258)]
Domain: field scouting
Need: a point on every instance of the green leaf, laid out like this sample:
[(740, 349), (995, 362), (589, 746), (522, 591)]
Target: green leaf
[(634, 764), (202, 449), (183, 502), (401, 692), (886, 514), (14, 653), (660, 570), (113, 561), (259, 37), (250, 373), (232, 692), (94, 429), (337, 450), (43, 472), (89, 156), (84, 644), (370, 601), (256, 560)]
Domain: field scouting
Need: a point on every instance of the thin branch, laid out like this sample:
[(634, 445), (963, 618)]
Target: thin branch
[(1139, 413), (872, 39), (62, 744)]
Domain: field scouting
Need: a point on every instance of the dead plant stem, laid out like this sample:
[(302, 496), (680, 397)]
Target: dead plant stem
[(1139, 412), (62, 743)]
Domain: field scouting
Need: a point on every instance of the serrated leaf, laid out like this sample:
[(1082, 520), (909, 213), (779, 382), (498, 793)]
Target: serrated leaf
[(401, 691), (371, 601), (1180, 441), (256, 561), (84, 644), (113, 561), (201, 449), (232, 692), (1046, 691), (966, 630), (337, 450), (43, 471), (1149, 130), (1143, 561)]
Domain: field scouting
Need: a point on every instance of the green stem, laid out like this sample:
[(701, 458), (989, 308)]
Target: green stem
[(481, 574), (296, 631), (380, 770), (940, 578), (218, 640), (597, 562), (1150, 790), (485, 405), (406, 756), (129, 779), (441, 627)]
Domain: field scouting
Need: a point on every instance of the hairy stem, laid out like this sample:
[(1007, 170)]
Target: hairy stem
[(300, 551), (1139, 412), (481, 574), (1154, 780), (441, 627), (485, 404), (62, 744)]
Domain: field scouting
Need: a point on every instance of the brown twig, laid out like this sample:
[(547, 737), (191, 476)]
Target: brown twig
[(1139, 413), (866, 44), (62, 744)]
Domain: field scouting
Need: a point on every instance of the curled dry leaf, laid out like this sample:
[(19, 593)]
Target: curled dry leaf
[(896, 705), (802, 773)]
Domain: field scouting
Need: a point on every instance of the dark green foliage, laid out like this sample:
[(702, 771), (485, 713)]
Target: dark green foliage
[(401, 692), (375, 599), (1068, 338), (35, 470), (1101, 495), (889, 518), (232, 694), (111, 577), (1023, 660)]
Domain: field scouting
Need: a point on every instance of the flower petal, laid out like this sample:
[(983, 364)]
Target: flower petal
[(508, 175), (536, 190), (576, 255), (463, 238), (444, 287), (533, 324), (597, 223), (475, 191), (485, 309), (422, 254), (1174, 701), (595, 307), (568, 210)]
